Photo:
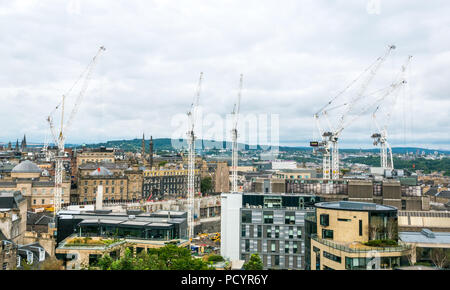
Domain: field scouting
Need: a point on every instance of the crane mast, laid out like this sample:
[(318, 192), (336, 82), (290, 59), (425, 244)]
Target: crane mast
[(381, 137), (60, 138), (329, 144), (191, 159), (234, 132)]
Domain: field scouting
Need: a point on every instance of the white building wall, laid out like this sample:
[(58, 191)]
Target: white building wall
[(231, 204)]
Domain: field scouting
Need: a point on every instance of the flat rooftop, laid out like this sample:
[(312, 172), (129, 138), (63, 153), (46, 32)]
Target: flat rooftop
[(425, 237), (354, 206)]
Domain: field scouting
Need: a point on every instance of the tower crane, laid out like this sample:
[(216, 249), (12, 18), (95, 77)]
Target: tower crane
[(380, 137), (234, 132), (191, 158), (60, 136), (329, 144)]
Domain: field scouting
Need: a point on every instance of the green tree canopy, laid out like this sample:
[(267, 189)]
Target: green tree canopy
[(206, 184), (169, 257), (254, 263)]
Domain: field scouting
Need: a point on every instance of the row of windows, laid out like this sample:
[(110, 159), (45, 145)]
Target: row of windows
[(101, 182), (106, 190), (289, 217), (272, 246), (293, 233)]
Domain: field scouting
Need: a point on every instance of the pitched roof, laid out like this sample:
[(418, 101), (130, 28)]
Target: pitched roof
[(444, 194), (101, 171)]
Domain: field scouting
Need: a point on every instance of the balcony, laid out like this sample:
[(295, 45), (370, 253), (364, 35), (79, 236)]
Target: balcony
[(358, 247)]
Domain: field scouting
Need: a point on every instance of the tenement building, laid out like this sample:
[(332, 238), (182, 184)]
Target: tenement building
[(162, 182), (95, 155), (115, 186), (354, 235), (271, 225)]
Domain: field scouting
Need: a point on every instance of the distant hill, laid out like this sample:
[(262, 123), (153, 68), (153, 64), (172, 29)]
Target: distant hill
[(159, 144)]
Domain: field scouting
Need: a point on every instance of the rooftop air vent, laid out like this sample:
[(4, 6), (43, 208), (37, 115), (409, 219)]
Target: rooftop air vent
[(428, 233)]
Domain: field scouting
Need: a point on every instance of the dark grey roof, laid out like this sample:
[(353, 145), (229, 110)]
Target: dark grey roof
[(26, 167), (356, 206), (444, 194), (10, 199), (39, 218), (2, 236), (431, 192)]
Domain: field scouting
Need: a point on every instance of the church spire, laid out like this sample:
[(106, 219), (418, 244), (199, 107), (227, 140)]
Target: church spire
[(24, 143), (143, 148)]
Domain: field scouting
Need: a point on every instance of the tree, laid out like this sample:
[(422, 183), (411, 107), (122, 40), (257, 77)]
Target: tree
[(392, 229), (206, 184), (169, 257), (52, 264), (254, 263), (375, 226), (440, 257), (412, 255)]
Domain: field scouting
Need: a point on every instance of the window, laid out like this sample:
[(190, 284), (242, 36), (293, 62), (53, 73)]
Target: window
[(277, 232), (269, 232), (277, 260), (247, 245), (301, 203), (289, 218), (34, 201), (360, 227), (291, 232), (324, 220), (295, 248), (272, 246), (268, 217), (327, 234), (43, 201), (243, 231), (299, 233), (246, 216), (272, 202), (259, 231), (286, 247), (332, 257)]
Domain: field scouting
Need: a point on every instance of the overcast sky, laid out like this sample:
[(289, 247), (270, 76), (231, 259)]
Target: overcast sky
[(295, 56)]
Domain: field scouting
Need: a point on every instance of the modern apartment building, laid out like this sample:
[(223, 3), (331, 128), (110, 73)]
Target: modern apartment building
[(271, 225), (345, 235)]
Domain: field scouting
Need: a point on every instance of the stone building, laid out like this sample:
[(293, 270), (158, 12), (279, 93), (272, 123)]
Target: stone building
[(170, 182), (97, 155), (13, 216), (27, 178), (115, 186)]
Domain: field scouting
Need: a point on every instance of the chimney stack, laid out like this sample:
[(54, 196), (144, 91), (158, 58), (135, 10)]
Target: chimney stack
[(99, 198)]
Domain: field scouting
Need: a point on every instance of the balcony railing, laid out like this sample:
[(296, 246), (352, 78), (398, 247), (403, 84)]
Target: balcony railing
[(341, 247)]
